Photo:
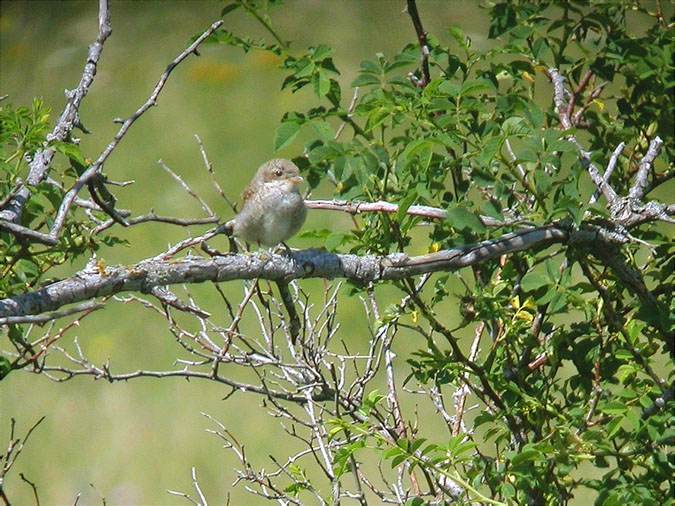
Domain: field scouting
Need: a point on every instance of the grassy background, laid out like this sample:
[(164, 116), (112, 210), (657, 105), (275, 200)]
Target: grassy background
[(133, 441)]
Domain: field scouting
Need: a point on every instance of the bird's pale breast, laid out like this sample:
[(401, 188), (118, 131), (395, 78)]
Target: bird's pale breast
[(272, 214)]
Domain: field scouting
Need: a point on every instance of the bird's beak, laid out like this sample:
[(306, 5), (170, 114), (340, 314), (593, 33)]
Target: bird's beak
[(296, 180)]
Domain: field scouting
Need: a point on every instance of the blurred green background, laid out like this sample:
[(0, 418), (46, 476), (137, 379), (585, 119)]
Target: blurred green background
[(135, 440)]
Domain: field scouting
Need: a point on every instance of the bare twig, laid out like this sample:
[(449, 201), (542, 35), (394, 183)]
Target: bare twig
[(577, 93), (33, 486), (104, 373), (187, 188), (152, 217), (422, 38), (608, 172), (104, 199), (562, 107), (350, 111), (96, 167), (168, 298), (460, 400), (380, 206), (192, 241), (576, 118), (27, 233), (15, 446), (214, 181), (39, 166), (44, 318), (641, 179), (625, 211), (294, 326), (195, 483), (8, 198)]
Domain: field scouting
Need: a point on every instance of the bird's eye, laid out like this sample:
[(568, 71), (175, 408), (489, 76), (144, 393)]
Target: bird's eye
[(278, 172)]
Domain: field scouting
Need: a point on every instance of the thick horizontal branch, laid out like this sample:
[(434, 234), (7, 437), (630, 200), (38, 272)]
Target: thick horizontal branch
[(145, 276)]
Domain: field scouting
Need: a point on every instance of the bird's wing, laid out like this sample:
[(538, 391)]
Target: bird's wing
[(248, 193)]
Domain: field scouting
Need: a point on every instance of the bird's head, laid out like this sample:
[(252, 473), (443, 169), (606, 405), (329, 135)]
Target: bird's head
[(279, 170)]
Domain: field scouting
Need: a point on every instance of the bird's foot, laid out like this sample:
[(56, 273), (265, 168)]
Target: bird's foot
[(212, 252), (283, 248)]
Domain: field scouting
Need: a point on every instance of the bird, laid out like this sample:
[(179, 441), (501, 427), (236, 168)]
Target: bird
[(273, 208)]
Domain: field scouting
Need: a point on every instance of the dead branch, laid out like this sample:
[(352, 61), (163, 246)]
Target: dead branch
[(98, 281)]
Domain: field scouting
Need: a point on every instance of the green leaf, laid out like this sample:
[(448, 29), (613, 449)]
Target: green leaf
[(322, 52), (474, 87), (72, 151), (613, 426), (449, 88), (321, 84), (377, 116), (634, 328), (488, 208), (306, 70), (405, 204), (533, 280), (323, 130), (286, 133), (515, 125), (365, 80), (461, 218), (421, 148), (508, 491), (464, 447), (372, 67), (5, 367), (553, 273), (416, 501), (374, 397), (527, 155), (614, 408), (539, 48), (334, 240), (563, 146), (392, 452), (489, 150), (460, 37), (524, 456), (398, 460), (416, 444)]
